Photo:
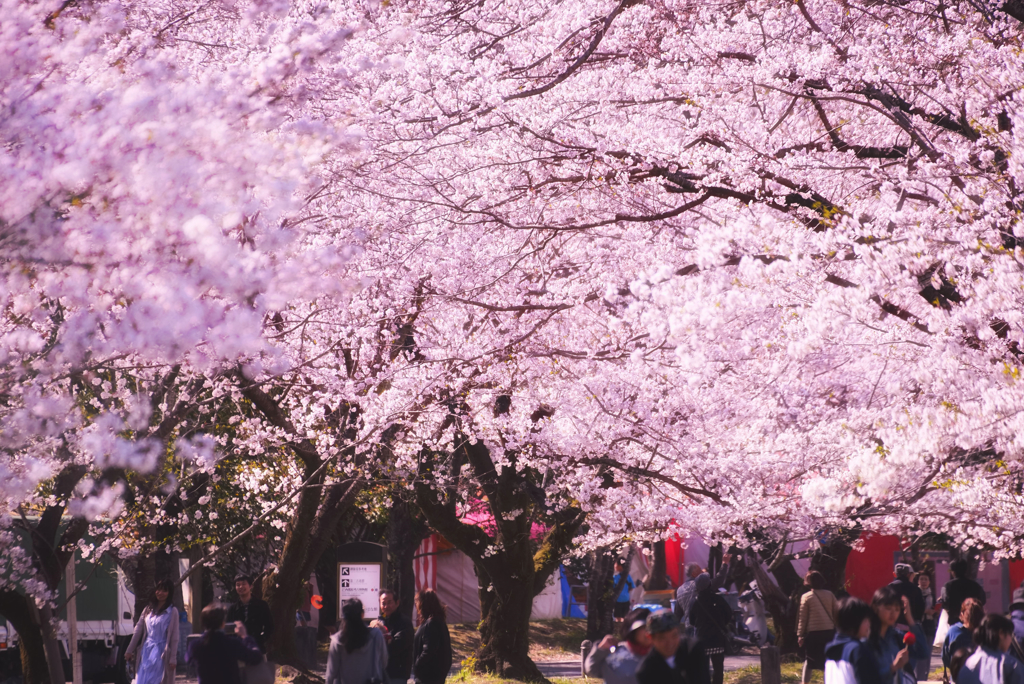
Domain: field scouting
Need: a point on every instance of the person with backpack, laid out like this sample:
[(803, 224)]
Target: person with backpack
[(358, 654), (432, 645), (628, 585), (710, 616), (817, 623), (847, 659), (991, 662)]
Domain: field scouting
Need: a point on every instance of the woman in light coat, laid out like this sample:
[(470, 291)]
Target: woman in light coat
[(817, 626), (156, 639)]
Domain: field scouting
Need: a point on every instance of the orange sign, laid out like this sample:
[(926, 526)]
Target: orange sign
[(317, 601)]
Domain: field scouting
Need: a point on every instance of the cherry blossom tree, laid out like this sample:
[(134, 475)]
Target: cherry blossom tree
[(753, 267), (749, 270), (150, 220)]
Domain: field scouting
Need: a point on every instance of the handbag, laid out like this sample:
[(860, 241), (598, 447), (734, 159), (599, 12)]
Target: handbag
[(260, 673)]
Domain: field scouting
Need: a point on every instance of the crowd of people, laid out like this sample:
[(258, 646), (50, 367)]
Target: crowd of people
[(886, 641), (233, 644)]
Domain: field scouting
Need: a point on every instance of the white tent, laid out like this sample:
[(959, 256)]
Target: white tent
[(453, 576)]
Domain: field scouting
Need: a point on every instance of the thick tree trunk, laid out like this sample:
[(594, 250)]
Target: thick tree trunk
[(51, 645), (600, 594), (281, 587), (302, 552), (510, 573), (658, 579), (406, 529), (505, 618), (21, 613)]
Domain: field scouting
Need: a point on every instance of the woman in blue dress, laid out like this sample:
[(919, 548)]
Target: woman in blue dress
[(157, 633)]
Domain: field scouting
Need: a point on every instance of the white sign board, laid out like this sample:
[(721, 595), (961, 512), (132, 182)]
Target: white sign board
[(360, 581)]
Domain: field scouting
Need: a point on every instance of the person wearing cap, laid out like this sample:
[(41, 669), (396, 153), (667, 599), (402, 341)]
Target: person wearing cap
[(672, 659), (253, 612), (903, 586), (1017, 613), (616, 662), (710, 616)]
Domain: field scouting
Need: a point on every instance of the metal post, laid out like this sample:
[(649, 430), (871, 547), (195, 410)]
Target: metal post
[(73, 653)]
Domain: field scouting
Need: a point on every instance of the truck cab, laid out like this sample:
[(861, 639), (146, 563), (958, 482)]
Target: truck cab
[(104, 608)]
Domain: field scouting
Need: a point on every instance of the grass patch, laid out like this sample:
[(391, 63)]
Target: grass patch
[(473, 678), (549, 639), (752, 675)]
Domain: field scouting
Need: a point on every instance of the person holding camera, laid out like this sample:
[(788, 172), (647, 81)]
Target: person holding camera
[(216, 654)]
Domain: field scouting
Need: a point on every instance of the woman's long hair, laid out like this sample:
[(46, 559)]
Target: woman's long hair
[(428, 606), (154, 604), (991, 630), (884, 596), (354, 632)]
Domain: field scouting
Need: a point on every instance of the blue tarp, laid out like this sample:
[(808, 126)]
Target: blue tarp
[(570, 607)]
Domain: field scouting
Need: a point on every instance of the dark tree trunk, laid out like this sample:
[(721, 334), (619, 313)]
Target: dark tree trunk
[(505, 617), (600, 594), (830, 560), (658, 579), (52, 547), (510, 573), (601, 601), (22, 614), (317, 512), (406, 529), (281, 587)]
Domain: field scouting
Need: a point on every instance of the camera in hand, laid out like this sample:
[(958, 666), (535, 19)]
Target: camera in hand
[(229, 628)]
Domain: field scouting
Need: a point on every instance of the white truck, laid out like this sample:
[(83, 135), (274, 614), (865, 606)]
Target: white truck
[(104, 608)]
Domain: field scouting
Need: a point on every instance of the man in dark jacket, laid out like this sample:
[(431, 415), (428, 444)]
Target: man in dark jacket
[(399, 635), (958, 589), (251, 611), (904, 587), (672, 659)]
